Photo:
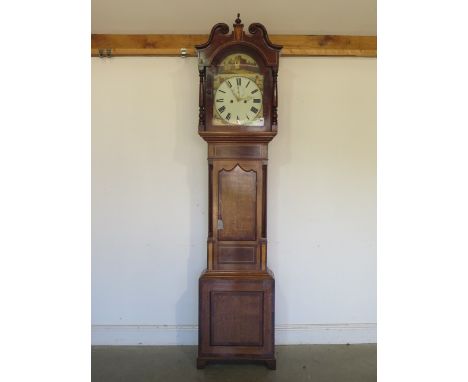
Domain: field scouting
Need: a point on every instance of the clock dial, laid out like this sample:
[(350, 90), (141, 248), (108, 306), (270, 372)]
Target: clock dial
[(238, 92), (238, 101)]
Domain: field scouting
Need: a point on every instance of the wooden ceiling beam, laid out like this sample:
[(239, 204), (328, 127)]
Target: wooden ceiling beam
[(116, 45)]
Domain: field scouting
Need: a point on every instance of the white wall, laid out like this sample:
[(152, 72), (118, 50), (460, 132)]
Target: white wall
[(149, 195)]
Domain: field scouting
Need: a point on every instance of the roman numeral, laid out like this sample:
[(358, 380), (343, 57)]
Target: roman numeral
[(221, 109), (257, 100), (230, 85), (248, 83), (228, 116), (221, 91), (254, 91), (239, 81), (254, 110), (222, 100)]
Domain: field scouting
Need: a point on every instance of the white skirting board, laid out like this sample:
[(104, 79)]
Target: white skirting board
[(289, 334)]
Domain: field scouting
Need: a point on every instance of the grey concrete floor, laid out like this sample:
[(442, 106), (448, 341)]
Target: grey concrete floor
[(318, 363)]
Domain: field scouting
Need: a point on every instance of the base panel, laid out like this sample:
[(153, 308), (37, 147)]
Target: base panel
[(236, 318)]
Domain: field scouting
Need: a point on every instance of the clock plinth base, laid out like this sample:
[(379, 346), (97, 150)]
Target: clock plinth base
[(236, 319), (202, 362), (271, 363)]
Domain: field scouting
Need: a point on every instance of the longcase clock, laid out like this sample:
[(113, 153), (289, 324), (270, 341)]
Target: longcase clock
[(237, 117)]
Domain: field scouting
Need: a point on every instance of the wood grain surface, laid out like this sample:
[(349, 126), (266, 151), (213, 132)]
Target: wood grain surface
[(171, 44)]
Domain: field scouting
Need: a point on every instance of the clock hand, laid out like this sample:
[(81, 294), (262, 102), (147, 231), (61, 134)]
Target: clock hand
[(234, 94), (238, 92), (247, 98)]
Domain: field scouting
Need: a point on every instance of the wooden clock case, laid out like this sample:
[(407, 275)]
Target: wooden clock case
[(237, 290)]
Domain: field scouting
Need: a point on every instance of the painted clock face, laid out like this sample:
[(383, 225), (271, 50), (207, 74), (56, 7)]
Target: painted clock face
[(238, 92), (238, 101)]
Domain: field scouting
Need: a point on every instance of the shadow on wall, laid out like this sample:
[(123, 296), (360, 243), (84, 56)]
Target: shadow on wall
[(278, 158), (190, 148)]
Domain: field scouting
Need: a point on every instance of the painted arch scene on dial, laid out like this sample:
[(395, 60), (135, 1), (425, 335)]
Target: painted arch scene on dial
[(238, 92)]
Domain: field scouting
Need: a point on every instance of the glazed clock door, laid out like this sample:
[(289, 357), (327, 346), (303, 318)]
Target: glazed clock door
[(237, 200), (238, 92)]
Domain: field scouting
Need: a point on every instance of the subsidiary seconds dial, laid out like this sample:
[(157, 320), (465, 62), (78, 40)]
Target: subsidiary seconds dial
[(238, 101)]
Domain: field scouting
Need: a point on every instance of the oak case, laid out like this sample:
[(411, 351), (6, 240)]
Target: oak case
[(236, 291)]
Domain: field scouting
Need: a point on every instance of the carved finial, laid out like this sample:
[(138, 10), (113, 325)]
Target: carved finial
[(238, 28)]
